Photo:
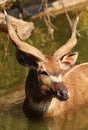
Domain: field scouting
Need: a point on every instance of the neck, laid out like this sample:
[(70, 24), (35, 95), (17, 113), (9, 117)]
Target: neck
[(37, 101)]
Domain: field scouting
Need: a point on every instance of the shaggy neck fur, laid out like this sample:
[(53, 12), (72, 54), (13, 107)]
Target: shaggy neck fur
[(37, 100)]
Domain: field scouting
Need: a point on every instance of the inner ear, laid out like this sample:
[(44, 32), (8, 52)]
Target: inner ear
[(26, 59), (68, 60)]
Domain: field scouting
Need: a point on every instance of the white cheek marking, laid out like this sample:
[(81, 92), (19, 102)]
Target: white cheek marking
[(60, 78), (56, 79)]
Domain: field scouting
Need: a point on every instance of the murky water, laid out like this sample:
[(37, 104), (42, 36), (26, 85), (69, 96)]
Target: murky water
[(16, 120), (11, 74)]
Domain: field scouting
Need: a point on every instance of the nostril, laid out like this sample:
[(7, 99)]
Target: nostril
[(63, 95)]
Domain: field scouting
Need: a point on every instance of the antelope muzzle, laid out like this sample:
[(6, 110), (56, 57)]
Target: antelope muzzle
[(60, 91)]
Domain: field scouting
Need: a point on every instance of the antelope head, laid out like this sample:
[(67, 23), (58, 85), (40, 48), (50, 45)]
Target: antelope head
[(49, 68)]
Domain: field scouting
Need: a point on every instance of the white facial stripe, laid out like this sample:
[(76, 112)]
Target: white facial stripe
[(53, 78), (60, 78), (41, 66), (56, 79)]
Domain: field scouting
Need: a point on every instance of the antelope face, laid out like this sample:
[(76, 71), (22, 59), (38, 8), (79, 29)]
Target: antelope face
[(52, 84), (50, 74)]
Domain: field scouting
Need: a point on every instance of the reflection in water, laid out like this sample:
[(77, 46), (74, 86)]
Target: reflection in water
[(77, 119), (14, 119), (12, 72)]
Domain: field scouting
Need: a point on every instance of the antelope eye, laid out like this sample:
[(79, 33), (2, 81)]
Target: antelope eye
[(44, 77), (44, 72)]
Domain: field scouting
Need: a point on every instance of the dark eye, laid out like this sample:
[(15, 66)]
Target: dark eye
[(44, 72)]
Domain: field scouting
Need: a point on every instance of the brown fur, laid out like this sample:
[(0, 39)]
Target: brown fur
[(76, 81)]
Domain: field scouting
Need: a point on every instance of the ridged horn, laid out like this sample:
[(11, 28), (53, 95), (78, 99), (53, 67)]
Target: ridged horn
[(23, 46), (69, 44)]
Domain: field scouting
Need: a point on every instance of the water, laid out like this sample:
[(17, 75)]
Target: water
[(16, 120), (12, 76)]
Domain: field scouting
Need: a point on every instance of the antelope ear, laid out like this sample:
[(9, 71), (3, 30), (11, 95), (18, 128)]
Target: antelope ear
[(26, 59), (68, 60)]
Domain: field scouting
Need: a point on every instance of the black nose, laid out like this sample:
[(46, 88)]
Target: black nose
[(63, 95)]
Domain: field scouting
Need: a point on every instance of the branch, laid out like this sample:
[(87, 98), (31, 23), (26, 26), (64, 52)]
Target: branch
[(56, 7), (23, 28)]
